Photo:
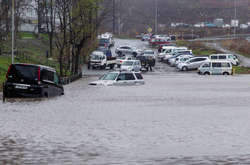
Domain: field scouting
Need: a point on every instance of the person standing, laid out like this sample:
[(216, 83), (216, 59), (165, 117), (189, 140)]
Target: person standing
[(150, 63)]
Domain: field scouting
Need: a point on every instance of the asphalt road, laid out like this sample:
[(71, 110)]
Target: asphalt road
[(175, 118)]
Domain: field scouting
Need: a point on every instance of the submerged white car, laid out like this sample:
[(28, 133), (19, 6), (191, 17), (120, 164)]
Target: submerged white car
[(119, 79)]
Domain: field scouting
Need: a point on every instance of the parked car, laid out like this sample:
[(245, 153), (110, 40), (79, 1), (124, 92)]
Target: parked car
[(176, 60), (158, 41), (165, 50), (106, 40), (145, 37), (28, 80), (131, 65), (124, 50), (161, 46), (229, 57), (177, 52), (216, 67), (120, 60), (120, 78), (192, 64)]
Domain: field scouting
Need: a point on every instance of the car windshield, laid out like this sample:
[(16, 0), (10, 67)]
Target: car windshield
[(128, 63), (95, 57), (103, 40), (148, 52), (110, 76)]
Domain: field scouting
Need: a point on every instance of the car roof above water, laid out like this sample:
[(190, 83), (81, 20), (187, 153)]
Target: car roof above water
[(35, 65)]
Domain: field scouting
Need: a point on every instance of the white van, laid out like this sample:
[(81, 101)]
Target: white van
[(216, 67), (229, 57)]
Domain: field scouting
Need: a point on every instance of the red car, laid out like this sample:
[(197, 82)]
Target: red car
[(162, 45), (158, 41)]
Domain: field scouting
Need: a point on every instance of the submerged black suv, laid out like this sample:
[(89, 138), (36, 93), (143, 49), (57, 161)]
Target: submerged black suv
[(28, 80)]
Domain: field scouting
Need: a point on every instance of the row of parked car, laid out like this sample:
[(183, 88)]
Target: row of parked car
[(184, 60)]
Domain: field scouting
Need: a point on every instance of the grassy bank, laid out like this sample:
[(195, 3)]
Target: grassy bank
[(30, 49), (198, 48), (240, 46), (241, 70)]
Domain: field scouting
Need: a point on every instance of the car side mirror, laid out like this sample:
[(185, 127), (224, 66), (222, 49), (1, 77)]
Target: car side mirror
[(119, 79)]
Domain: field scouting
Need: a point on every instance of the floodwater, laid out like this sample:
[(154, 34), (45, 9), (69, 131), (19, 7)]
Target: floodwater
[(175, 118)]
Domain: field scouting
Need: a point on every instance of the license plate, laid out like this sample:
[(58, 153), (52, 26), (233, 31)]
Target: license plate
[(21, 87)]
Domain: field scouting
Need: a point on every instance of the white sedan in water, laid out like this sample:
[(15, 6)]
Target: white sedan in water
[(120, 78)]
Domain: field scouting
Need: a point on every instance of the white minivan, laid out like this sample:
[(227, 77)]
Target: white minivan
[(216, 67), (229, 57)]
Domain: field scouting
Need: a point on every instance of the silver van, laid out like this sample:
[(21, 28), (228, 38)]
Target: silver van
[(229, 57), (216, 67)]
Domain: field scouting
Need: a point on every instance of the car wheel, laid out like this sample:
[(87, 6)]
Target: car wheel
[(184, 68), (119, 53), (225, 73), (104, 66), (206, 73)]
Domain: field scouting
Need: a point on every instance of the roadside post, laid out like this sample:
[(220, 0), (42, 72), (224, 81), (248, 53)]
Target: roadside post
[(233, 71), (3, 93)]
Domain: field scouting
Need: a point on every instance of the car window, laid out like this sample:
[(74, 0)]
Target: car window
[(214, 57), (26, 73), (121, 77), (138, 76), (56, 78), (47, 75), (130, 76), (206, 65), (222, 57), (110, 76), (216, 65), (128, 63), (225, 65)]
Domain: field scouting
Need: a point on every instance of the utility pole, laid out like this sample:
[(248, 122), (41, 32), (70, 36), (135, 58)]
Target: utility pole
[(119, 17), (156, 16), (13, 31), (235, 17), (113, 16)]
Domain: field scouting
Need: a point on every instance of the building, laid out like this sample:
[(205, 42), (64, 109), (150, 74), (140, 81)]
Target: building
[(219, 22)]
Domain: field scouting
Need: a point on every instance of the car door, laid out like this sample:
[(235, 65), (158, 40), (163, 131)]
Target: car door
[(121, 80), (130, 78), (192, 63), (136, 66), (198, 62), (216, 68)]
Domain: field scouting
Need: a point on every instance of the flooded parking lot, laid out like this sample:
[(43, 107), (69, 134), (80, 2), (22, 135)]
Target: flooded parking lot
[(175, 118)]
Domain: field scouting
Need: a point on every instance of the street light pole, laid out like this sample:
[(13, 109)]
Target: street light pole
[(114, 10), (13, 31), (156, 16)]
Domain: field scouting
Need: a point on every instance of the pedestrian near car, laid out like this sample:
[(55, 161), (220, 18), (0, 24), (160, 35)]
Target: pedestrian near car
[(150, 63)]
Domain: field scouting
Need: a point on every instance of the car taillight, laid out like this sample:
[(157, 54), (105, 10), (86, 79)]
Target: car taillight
[(120, 61), (39, 75), (7, 75)]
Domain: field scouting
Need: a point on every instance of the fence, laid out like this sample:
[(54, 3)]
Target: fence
[(67, 80)]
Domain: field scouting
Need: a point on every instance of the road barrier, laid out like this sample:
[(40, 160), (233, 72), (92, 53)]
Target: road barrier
[(67, 80)]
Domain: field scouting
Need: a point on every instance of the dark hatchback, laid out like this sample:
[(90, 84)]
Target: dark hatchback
[(27, 80)]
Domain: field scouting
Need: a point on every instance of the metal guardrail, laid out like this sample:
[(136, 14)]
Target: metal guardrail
[(68, 80)]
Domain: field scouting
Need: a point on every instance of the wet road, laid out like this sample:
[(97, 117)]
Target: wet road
[(175, 118)]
